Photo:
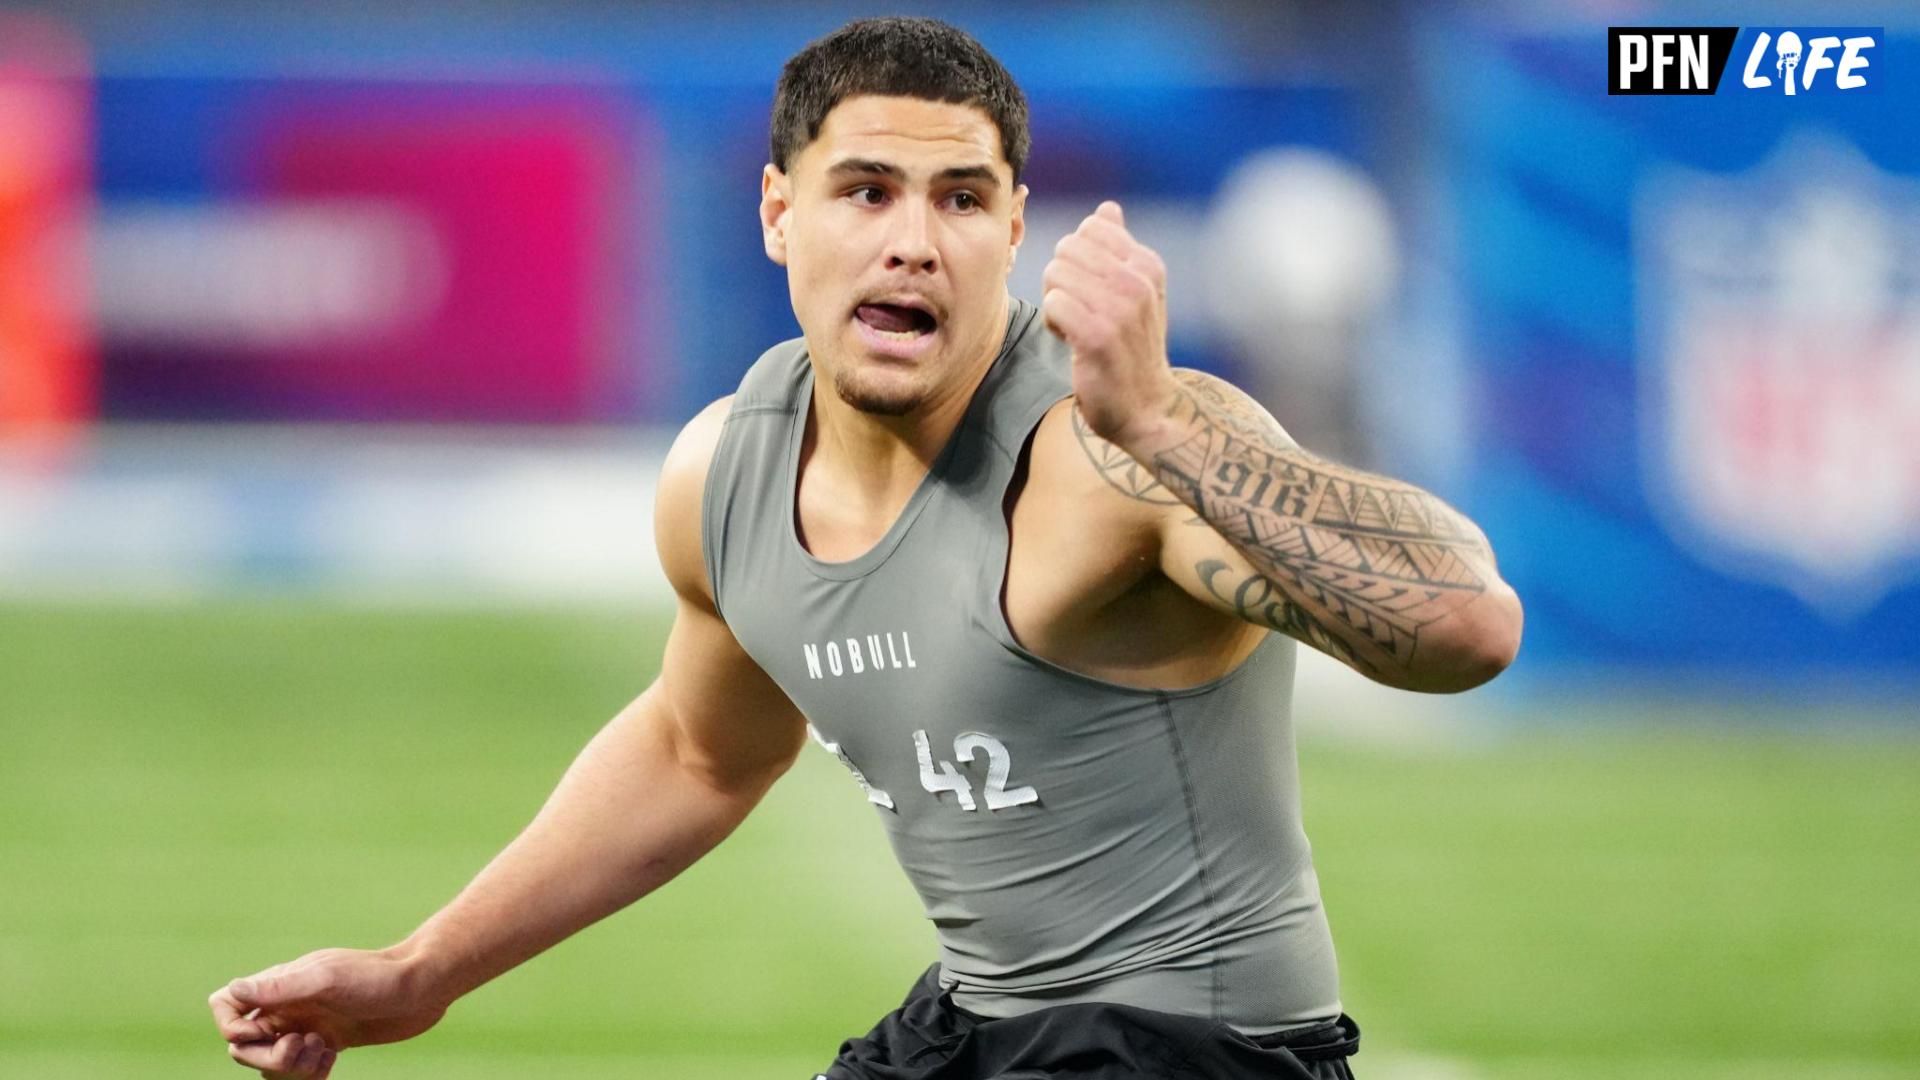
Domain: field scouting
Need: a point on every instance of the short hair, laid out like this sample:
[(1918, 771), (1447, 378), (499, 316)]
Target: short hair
[(895, 57)]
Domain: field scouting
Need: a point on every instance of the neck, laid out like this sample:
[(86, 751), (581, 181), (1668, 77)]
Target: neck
[(884, 455)]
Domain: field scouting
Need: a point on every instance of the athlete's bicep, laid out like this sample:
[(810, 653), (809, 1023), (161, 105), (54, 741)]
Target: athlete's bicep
[(730, 722), (727, 718)]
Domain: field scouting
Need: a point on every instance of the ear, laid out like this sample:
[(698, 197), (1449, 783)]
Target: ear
[(1019, 223), (776, 212)]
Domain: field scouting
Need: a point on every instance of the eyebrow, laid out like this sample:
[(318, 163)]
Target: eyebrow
[(869, 167)]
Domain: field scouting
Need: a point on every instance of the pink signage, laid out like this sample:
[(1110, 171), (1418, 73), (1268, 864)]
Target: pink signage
[(400, 251)]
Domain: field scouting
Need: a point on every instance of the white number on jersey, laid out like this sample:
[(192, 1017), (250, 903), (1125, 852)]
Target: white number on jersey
[(966, 747), (874, 794), (999, 765), (947, 779)]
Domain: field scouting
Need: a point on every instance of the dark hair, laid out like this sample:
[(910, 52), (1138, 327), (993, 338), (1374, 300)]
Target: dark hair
[(895, 57)]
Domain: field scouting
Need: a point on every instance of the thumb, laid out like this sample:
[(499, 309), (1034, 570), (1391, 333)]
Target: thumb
[(269, 990), (1111, 211)]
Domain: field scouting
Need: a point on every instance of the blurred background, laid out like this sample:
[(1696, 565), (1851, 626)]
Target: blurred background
[(339, 344)]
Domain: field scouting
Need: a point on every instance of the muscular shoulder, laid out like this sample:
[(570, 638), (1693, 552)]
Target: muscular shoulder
[(677, 518)]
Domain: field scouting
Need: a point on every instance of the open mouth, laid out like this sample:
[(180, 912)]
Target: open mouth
[(896, 321)]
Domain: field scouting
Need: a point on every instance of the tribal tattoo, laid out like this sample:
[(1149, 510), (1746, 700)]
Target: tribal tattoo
[(1258, 600), (1352, 563), (1119, 469), (1121, 472)]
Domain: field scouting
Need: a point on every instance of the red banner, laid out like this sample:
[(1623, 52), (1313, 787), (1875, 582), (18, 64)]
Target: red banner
[(47, 367)]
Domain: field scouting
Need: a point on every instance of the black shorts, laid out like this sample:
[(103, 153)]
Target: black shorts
[(930, 1038)]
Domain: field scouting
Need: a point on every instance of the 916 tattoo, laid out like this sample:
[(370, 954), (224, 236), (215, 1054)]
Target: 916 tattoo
[(1352, 563)]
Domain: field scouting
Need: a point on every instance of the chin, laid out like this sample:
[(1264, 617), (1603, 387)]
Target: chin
[(880, 397)]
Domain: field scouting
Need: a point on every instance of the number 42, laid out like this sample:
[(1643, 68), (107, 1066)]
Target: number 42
[(966, 747)]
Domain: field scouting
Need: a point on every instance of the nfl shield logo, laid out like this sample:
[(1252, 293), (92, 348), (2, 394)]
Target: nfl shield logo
[(1779, 318)]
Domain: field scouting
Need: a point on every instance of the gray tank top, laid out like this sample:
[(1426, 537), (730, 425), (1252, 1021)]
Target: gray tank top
[(1071, 839)]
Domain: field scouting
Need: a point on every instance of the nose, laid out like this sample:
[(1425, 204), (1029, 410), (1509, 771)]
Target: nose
[(910, 243)]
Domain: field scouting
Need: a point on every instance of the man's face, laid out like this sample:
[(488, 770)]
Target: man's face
[(897, 226)]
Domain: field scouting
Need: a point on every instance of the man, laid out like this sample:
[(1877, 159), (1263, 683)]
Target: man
[(1022, 577)]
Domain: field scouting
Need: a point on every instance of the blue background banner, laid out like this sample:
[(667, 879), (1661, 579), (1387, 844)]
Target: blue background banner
[(1617, 256)]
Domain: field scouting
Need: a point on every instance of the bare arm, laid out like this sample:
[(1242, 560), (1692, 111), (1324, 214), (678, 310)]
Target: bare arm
[(669, 778), (1374, 571), (664, 782)]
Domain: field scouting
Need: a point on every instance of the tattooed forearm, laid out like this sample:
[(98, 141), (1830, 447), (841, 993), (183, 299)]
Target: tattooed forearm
[(1256, 600), (1354, 564)]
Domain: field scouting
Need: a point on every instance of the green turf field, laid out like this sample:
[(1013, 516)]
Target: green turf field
[(187, 794)]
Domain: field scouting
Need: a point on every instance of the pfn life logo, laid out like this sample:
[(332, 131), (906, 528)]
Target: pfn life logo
[(1783, 60), (1805, 61)]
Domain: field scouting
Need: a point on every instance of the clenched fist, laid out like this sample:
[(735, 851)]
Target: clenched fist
[(1106, 296), (291, 1021)]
